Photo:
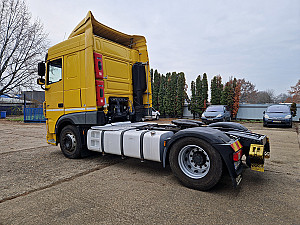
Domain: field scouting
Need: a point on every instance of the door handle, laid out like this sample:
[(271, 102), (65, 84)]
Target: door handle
[(60, 105)]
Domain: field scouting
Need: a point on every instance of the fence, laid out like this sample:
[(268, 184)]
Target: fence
[(246, 112), (255, 112), (33, 112), (34, 115)]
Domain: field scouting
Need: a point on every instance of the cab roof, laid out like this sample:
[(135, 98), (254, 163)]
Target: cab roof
[(106, 32)]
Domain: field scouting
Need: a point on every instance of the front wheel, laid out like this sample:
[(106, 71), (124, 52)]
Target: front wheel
[(70, 142), (196, 163)]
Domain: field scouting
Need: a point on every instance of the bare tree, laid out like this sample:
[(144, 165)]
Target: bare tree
[(282, 98), (265, 97), (22, 44), (295, 92), (248, 91)]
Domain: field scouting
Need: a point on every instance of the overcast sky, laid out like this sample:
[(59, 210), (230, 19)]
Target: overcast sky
[(255, 40)]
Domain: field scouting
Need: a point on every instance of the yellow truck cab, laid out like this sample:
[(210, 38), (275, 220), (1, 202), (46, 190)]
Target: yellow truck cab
[(98, 75)]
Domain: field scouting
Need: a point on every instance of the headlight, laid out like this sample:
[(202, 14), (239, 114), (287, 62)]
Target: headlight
[(219, 115), (266, 116), (288, 116)]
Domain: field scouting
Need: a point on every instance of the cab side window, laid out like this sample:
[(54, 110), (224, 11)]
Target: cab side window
[(54, 72)]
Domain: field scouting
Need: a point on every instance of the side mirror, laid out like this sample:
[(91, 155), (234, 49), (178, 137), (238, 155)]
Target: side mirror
[(41, 69), (264, 112), (41, 81)]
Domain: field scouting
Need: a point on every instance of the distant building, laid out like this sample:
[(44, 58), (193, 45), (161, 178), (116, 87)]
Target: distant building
[(12, 105)]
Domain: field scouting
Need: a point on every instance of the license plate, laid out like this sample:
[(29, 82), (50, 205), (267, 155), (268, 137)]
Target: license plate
[(258, 167), (209, 119), (276, 121)]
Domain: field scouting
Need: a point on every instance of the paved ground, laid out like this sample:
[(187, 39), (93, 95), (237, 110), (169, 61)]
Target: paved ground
[(40, 186)]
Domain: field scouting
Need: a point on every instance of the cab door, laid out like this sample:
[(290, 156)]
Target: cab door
[(72, 84), (54, 102)]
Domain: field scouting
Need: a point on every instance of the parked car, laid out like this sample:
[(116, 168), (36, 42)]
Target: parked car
[(278, 114), (155, 114), (216, 113)]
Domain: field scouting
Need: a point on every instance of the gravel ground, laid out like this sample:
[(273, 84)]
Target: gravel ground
[(40, 186)]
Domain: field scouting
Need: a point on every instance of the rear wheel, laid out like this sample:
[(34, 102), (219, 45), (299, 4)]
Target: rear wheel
[(196, 163), (70, 142)]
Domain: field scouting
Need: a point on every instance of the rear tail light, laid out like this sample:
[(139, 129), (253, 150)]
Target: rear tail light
[(100, 92), (237, 155), (98, 65), (98, 62)]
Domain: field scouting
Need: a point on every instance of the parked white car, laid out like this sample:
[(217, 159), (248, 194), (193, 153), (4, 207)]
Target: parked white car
[(155, 114)]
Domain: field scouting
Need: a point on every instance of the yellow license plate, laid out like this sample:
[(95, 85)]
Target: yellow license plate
[(258, 167)]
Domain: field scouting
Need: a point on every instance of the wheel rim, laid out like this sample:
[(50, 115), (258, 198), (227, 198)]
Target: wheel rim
[(193, 161), (69, 142)]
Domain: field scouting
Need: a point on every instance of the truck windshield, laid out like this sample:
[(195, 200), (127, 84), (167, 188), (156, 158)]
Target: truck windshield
[(54, 71)]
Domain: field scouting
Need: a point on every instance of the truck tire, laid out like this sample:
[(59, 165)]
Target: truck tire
[(70, 142), (196, 163)]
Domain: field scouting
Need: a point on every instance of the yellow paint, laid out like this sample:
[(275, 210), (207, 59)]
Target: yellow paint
[(258, 167), (236, 146), (256, 153), (76, 90), (256, 150)]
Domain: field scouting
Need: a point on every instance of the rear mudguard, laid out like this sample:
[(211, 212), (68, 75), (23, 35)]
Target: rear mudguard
[(218, 139), (229, 126)]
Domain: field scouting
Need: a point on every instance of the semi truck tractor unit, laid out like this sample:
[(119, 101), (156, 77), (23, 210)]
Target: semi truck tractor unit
[(97, 93)]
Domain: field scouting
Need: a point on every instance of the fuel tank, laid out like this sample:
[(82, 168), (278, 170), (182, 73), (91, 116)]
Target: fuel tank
[(128, 139)]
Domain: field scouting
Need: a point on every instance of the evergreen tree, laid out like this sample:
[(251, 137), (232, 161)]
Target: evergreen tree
[(173, 98), (213, 90), (193, 103), (180, 94), (227, 96), (155, 90), (167, 96), (161, 95), (199, 96), (216, 90), (204, 90)]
